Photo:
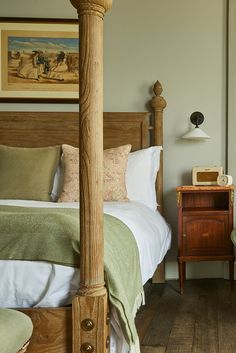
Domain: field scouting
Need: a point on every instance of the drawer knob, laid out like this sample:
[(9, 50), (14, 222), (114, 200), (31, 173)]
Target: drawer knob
[(184, 235)]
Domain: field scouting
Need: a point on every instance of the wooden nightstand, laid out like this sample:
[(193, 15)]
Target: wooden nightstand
[(205, 221)]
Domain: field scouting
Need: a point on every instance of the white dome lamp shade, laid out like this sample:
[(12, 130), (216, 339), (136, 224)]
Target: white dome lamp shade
[(196, 119)]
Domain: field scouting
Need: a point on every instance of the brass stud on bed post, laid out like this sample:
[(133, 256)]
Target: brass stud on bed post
[(87, 348), (87, 324)]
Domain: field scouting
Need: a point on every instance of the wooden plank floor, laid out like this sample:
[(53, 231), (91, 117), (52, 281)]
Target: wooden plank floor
[(202, 320)]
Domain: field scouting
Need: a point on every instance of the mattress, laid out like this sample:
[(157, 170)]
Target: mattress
[(153, 237)]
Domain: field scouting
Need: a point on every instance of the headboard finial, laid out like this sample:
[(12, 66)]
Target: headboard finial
[(157, 88), (158, 103)]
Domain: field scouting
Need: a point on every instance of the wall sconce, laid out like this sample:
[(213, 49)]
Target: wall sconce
[(196, 119)]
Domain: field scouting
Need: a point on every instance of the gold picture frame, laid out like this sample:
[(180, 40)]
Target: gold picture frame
[(39, 60)]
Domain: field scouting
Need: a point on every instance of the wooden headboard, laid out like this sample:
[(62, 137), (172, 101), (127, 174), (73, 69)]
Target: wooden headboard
[(37, 129)]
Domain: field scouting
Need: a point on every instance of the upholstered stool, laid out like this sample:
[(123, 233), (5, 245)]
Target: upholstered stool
[(15, 331)]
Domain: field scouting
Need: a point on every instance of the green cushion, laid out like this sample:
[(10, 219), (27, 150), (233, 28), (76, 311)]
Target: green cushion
[(15, 330), (28, 173)]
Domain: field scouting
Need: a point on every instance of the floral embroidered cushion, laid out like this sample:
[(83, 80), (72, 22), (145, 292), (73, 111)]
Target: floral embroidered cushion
[(115, 164)]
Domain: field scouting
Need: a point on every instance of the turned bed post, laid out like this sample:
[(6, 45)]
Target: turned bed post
[(89, 307), (158, 105)]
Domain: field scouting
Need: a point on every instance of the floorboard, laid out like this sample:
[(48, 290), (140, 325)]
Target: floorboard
[(182, 332), (165, 313), (202, 320), (148, 349), (147, 312)]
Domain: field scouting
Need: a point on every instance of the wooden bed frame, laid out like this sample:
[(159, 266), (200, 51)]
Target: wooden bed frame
[(53, 326), (84, 327)]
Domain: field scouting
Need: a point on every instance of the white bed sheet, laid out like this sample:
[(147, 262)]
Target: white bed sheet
[(23, 282)]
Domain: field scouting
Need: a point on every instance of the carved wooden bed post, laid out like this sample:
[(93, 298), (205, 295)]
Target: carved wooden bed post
[(90, 306), (158, 105)]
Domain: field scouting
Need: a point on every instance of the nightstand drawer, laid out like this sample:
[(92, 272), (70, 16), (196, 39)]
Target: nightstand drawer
[(206, 235)]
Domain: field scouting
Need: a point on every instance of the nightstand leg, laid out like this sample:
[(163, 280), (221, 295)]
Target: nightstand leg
[(231, 271), (184, 270), (182, 275)]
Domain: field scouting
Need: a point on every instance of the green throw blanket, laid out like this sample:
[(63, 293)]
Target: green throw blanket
[(52, 234)]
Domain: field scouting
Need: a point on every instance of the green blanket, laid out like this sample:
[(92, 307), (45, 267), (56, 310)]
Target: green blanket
[(52, 234)]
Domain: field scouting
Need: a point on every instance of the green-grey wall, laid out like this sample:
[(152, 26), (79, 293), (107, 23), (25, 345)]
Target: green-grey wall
[(182, 44)]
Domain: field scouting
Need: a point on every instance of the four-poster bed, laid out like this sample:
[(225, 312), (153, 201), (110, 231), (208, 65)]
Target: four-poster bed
[(85, 326), (53, 325)]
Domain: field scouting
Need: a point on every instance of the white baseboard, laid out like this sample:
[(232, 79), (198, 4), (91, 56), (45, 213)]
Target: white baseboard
[(202, 269), (226, 270)]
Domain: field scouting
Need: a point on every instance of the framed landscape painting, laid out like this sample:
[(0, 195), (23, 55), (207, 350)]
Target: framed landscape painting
[(39, 60)]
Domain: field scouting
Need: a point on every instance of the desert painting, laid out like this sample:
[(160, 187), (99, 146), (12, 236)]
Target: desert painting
[(33, 62)]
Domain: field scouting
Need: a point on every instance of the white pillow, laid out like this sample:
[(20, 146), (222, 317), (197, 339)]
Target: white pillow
[(141, 174), (57, 183)]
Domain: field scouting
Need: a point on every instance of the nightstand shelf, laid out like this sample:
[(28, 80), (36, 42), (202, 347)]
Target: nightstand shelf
[(205, 221), (203, 209)]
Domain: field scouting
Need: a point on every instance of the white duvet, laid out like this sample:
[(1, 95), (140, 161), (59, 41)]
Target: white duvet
[(23, 282)]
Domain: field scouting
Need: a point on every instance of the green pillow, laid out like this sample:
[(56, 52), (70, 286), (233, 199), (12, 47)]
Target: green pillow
[(28, 173), (15, 330)]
